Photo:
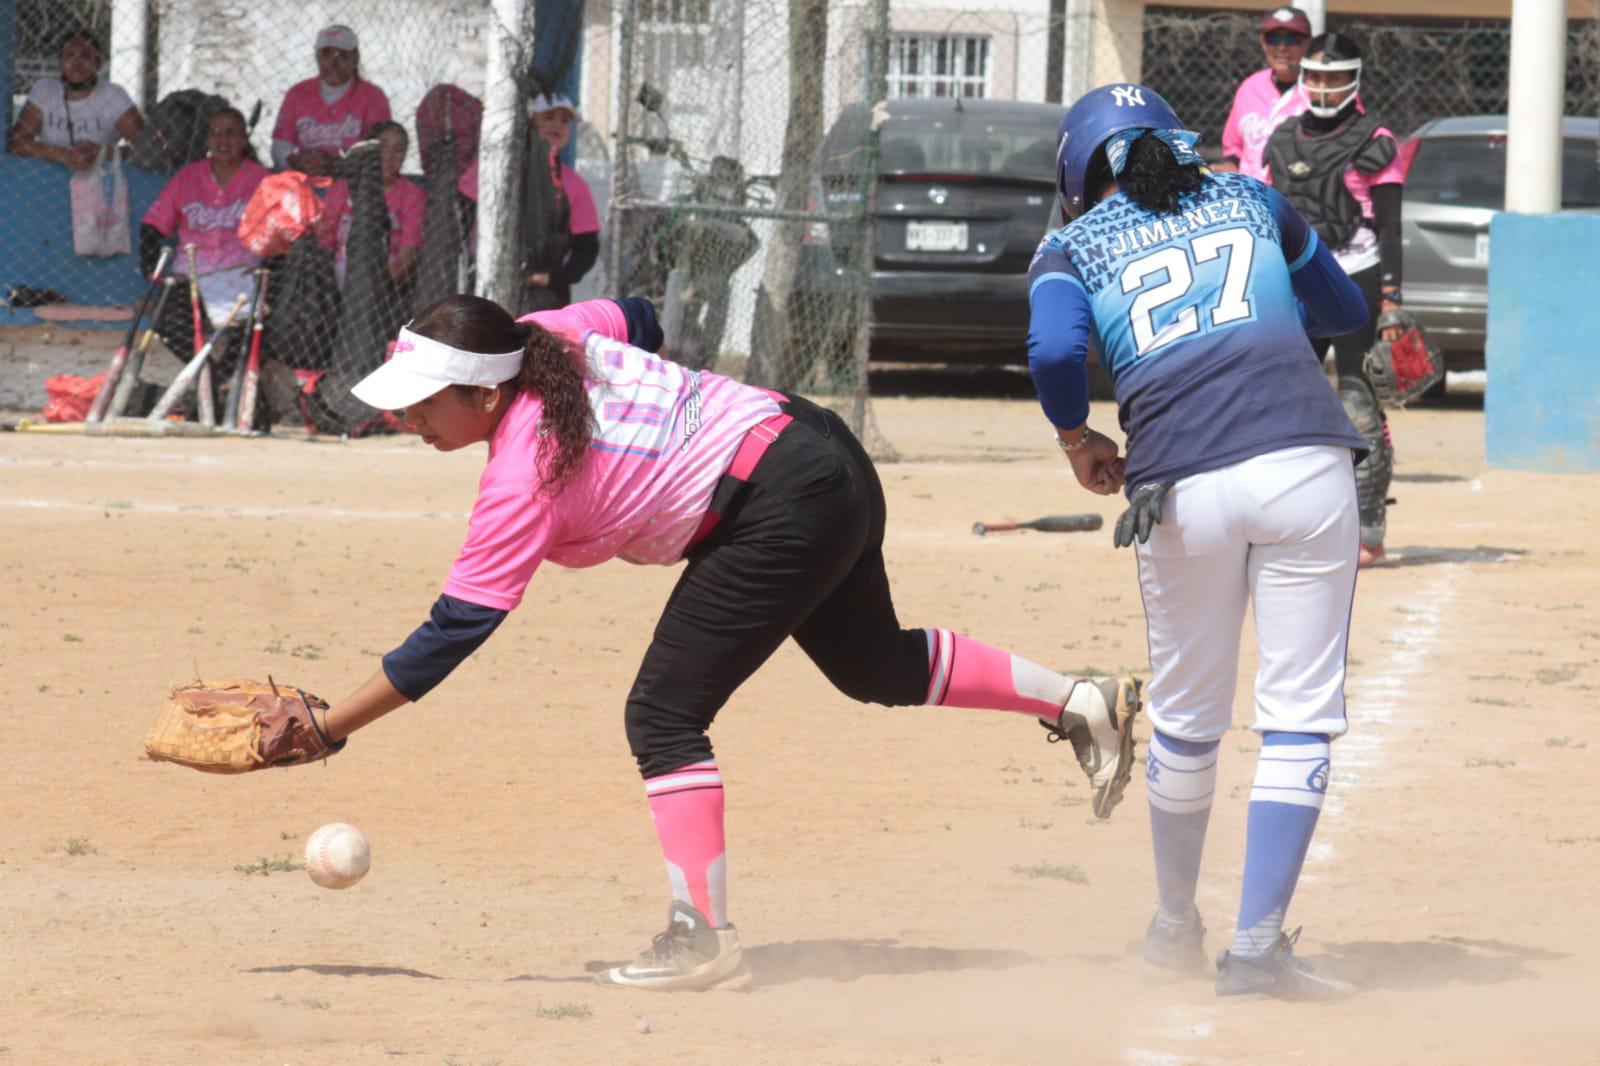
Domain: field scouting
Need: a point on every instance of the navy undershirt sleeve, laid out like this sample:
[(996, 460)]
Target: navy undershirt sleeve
[(644, 331), (454, 630), (1330, 303), (1333, 304), (1058, 348)]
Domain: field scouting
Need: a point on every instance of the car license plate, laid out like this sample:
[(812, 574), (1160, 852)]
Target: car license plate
[(936, 236), (1480, 250)]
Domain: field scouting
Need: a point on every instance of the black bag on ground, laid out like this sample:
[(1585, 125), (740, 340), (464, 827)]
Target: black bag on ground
[(370, 311)]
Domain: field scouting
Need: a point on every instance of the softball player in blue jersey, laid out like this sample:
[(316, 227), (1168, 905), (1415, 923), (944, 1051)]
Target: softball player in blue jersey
[(1198, 290)]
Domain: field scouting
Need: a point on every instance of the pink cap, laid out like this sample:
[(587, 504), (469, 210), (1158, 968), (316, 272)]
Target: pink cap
[(1286, 18)]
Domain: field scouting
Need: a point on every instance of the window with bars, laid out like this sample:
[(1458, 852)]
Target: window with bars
[(933, 65)]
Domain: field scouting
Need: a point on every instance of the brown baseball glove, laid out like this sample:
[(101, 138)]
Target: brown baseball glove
[(231, 727)]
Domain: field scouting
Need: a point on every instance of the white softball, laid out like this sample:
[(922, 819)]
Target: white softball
[(338, 855)]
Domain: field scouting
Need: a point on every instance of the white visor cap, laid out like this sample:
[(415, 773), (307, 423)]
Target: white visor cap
[(422, 366)]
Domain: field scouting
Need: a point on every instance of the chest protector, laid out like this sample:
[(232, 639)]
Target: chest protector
[(1309, 172)]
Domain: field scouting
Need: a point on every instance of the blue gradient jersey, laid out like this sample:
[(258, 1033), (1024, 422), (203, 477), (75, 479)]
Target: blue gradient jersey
[(1201, 319)]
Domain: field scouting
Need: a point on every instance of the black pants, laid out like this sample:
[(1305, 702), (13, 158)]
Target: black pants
[(1349, 349), (801, 554), (1373, 474)]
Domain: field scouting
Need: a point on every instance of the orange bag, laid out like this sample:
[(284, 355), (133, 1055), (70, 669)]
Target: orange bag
[(281, 211), (69, 397)]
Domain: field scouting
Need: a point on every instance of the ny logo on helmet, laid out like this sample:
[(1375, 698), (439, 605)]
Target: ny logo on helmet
[(1128, 95)]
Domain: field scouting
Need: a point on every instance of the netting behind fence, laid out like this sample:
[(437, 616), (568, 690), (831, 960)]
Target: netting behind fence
[(724, 210), (1415, 69), (207, 98)]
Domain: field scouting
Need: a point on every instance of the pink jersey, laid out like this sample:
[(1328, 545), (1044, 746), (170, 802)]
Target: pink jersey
[(1362, 250), (305, 120), (207, 214), (664, 435), (406, 205), (584, 217), (1258, 109)]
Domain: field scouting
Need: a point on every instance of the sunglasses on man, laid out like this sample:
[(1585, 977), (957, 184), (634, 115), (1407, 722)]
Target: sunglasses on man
[(1283, 38)]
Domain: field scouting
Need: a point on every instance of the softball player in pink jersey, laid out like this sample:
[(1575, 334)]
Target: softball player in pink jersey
[(599, 450)]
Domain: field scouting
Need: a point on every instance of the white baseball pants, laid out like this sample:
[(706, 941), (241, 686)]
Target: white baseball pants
[(1281, 532)]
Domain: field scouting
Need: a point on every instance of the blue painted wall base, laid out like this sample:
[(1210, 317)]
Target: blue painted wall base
[(1542, 407)]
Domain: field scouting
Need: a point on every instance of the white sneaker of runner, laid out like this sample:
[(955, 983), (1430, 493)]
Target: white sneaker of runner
[(690, 955)]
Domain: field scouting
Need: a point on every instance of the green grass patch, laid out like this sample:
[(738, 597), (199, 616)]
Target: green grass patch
[(557, 1011), (270, 866), (1053, 872)]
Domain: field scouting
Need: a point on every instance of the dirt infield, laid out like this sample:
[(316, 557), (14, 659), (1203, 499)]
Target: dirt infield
[(913, 886)]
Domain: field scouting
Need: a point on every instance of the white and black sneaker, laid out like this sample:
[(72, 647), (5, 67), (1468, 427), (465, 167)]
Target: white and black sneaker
[(1278, 974), (1100, 734), (690, 955)]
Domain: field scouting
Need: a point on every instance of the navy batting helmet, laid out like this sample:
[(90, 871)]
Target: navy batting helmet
[(1098, 115)]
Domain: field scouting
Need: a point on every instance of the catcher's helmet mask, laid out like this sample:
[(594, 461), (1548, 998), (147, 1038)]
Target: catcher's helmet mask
[(1318, 96), (1098, 115)]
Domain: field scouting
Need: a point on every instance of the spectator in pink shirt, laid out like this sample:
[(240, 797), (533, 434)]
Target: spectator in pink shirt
[(552, 117), (1267, 97), (322, 116), (202, 206), (599, 449), (406, 205)]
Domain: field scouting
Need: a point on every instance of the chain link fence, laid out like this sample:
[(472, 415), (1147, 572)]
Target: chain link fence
[(749, 160), (137, 125), (739, 202), (1416, 69)]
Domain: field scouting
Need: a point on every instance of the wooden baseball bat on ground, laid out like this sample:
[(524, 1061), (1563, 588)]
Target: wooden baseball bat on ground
[(207, 407), (1052, 523), (252, 370), (186, 377), (232, 417), (130, 374), (102, 398)]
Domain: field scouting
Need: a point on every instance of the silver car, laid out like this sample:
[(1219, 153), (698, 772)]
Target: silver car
[(1455, 182)]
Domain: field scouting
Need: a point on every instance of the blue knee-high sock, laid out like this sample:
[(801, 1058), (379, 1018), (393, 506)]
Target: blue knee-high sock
[(1291, 780), (1180, 779)]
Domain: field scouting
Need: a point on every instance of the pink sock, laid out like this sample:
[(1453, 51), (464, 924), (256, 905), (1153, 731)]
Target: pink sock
[(686, 806), (963, 672)]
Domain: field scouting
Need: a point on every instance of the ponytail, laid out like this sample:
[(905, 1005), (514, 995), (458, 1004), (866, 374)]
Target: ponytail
[(1153, 178), (552, 370)]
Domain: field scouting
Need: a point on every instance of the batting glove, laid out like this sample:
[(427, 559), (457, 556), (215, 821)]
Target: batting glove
[(1143, 513)]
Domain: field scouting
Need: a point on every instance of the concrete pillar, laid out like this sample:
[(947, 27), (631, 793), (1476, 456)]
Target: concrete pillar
[(130, 34), (1316, 11), (501, 146), (1538, 71)]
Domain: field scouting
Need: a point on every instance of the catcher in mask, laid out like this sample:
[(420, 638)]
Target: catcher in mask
[(599, 449), (1339, 166)]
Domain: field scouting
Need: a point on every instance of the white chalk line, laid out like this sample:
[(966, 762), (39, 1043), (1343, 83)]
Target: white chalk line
[(210, 510), (1373, 700)]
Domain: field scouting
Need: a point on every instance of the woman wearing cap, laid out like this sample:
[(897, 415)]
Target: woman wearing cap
[(74, 119), (599, 450), (552, 116), (1340, 168), (1240, 484), (1269, 97), (322, 116)]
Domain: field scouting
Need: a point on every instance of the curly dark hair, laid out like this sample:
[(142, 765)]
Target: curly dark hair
[(1151, 177), (552, 369)]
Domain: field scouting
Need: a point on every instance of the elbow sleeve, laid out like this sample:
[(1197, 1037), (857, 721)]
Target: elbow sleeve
[(454, 630)]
